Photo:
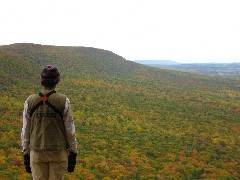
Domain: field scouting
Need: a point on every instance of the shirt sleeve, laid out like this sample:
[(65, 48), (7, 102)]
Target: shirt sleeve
[(70, 127), (25, 135)]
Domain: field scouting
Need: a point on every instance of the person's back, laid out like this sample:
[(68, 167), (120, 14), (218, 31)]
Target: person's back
[(48, 134)]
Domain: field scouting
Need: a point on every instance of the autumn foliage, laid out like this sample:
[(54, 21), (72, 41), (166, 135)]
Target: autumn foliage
[(132, 121)]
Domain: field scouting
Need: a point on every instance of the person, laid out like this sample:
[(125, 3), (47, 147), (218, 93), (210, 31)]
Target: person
[(48, 134)]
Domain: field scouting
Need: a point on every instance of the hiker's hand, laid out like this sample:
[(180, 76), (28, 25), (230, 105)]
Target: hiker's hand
[(71, 161), (27, 163)]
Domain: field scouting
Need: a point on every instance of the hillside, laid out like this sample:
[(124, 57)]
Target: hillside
[(132, 121), (82, 60)]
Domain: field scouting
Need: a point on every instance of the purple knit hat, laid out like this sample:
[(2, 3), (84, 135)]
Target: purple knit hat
[(50, 74)]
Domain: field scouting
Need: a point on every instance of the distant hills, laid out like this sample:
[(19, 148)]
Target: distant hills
[(157, 62), (219, 69)]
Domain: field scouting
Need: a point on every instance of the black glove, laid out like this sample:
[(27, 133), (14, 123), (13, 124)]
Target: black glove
[(71, 161), (27, 163)]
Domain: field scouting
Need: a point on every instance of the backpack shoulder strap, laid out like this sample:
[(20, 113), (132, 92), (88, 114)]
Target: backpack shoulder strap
[(45, 97), (45, 101), (55, 109), (35, 108)]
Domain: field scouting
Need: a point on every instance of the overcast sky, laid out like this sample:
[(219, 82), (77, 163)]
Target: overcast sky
[(180, 30)]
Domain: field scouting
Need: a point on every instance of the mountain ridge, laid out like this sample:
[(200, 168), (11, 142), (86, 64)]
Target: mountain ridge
[(85, 56), (83, 61)]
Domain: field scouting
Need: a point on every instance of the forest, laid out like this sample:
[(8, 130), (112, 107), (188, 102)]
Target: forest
[(132, 121)]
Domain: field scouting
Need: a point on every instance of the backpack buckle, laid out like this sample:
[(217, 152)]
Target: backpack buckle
[(44, 99)]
